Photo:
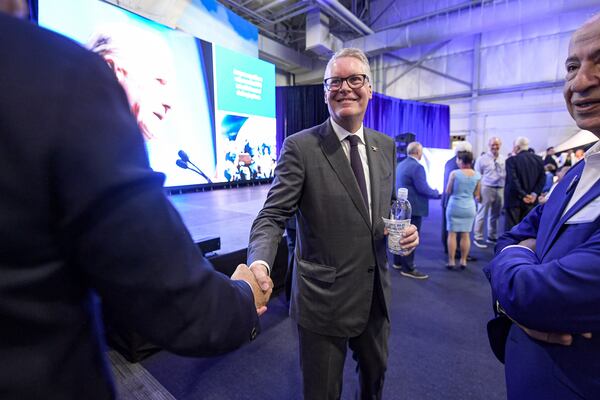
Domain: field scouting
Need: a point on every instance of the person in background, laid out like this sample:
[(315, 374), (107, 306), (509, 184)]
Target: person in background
[(448, 168), (559, 176), (550, 161), (525, 178), (579, 154), (338, 180), (85, 223), (410, 174), (545, 276), (463, 185), (491, 167)]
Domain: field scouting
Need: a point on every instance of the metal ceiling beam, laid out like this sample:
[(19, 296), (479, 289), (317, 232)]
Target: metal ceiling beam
[(418, 63), (487, 17), (270, 5), (433, 71)]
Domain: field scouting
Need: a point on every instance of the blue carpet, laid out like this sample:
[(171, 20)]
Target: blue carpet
[(438, 344)]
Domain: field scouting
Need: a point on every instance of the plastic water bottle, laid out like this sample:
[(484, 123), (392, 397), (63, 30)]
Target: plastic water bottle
[(400, 214)]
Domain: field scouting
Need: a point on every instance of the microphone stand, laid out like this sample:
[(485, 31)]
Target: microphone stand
[(184, 165)]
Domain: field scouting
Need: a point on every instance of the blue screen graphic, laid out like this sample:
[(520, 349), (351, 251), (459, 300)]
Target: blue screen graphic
[(169, 78)]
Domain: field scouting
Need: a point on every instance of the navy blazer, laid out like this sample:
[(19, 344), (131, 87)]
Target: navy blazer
[(554, 289), (410, 174), (82, 213)]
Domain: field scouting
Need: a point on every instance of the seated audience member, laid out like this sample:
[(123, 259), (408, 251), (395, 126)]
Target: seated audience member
[(545, 276), (463, 185), (83, 218)]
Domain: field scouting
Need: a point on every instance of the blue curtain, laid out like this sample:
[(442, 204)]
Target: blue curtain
[(430, 123), (300, 107)]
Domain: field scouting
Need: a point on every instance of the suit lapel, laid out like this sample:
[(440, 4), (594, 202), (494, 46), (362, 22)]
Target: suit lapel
[(332, 149), (555, 220), (375, 169)]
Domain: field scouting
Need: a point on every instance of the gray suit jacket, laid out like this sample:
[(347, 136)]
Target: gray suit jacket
[(338, 245)]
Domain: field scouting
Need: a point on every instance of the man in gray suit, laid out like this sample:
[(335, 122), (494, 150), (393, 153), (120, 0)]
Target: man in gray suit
[(338, 179)]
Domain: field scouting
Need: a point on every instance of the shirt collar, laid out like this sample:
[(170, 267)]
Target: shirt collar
[(594, 152), (341, 133)]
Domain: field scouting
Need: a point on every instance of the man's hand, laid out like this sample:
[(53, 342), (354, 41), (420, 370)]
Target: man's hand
[(528, 199), (564, 339), (243, 273), (529, 243), (262, 277), (410, 240)]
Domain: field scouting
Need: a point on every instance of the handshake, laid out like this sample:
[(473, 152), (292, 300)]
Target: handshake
[(259, 281)]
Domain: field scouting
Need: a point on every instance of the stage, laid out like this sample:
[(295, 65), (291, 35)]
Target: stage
[(226, 213)]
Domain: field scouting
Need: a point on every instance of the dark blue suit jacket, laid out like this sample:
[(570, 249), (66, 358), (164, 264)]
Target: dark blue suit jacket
[(81, 212), (554, 289), (411, 175)]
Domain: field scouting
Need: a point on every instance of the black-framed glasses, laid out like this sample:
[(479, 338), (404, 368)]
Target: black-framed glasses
[(354, 82)]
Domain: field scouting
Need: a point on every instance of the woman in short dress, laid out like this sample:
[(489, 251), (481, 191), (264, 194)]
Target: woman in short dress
[(463, 185)]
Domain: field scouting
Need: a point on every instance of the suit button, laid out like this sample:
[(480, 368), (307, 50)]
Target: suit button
[(253, 334)]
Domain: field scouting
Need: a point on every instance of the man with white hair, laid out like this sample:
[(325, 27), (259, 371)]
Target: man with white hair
[(337, 178), (525, 178)]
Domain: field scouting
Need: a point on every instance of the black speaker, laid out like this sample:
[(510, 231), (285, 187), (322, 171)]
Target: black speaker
[(402, 140)]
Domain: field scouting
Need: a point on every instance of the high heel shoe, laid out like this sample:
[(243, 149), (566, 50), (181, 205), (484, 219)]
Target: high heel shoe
[(463, 267), (450, 267)]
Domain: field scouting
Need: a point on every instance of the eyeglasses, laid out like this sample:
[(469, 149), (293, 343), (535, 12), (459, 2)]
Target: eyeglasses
[(354, 82)]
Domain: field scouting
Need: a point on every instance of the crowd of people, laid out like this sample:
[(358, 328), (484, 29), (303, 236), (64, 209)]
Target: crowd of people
[(93, 226)]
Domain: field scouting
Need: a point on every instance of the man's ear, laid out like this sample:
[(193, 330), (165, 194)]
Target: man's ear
[(325, 95), (370, 91)]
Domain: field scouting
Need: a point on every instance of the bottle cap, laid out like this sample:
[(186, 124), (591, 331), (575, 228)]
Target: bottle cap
[(402, 193)]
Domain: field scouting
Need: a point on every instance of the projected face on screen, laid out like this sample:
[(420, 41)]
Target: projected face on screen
[(142, 64)]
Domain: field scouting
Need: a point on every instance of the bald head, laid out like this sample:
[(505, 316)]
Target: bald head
[(415, 149), (494, 145)]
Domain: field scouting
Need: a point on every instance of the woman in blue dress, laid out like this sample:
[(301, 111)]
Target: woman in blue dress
[(463, 185)]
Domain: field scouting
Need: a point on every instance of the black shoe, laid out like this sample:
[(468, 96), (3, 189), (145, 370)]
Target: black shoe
[(415, 274), (493, 242), (469, 258)]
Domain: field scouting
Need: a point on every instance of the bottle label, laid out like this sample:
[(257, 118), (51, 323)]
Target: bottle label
[(395, 229)]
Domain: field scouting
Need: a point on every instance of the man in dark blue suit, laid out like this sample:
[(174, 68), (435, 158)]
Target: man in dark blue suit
[(84, 219), (410, 174), (545, 277)]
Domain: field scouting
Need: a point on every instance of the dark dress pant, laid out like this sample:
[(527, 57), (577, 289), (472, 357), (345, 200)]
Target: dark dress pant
[(322, 358)]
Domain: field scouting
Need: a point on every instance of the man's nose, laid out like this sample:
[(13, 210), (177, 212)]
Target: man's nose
[(587, 76)]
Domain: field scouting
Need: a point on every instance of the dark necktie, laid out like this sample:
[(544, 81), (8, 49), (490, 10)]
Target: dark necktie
[(357, 167)]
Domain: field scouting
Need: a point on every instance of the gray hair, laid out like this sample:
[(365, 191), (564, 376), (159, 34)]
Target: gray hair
[(462, 146), (522, 143), (413, 148), (354, 53)]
